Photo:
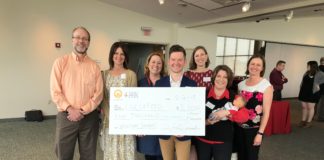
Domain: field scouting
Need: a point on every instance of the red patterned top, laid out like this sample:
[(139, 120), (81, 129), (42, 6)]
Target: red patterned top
[(203, 79)]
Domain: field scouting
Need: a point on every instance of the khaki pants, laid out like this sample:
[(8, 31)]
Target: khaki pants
[(182, 148), (84, 131)]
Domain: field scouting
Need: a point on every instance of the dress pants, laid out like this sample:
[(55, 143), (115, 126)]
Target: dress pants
[(207, 151), (244, 141), (277, 95), (84, 131), (168, 146)]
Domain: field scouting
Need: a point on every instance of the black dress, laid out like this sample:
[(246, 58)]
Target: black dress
[(306, 90)]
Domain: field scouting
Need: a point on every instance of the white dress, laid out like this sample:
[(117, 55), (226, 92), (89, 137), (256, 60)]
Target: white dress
[(118, 147)]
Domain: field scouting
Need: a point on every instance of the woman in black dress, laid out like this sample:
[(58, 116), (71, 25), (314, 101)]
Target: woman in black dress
[(306, 96), (218, 139)]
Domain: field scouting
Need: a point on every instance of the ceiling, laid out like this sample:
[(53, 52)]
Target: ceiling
[(195, 13)]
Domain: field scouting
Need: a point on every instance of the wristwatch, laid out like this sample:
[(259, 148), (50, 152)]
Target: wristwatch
[(260, 133)]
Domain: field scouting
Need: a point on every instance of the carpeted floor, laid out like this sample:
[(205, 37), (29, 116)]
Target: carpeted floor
[(20, 140), (300, 144)]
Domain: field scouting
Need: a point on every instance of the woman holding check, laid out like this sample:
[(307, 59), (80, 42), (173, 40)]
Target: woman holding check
[(153, 70)]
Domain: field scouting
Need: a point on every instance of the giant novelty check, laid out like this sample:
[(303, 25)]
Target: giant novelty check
[(157, 111)]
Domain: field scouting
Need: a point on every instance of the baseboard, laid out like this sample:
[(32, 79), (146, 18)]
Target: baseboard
[(23, 118)]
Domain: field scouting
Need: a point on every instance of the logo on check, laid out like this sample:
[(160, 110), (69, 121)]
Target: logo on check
[(118, 93)]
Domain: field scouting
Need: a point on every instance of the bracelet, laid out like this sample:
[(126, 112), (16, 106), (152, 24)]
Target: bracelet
[(260, 133)]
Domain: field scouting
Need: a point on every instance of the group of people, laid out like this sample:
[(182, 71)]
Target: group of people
[(78, 87), (311, 90), (311, 93)]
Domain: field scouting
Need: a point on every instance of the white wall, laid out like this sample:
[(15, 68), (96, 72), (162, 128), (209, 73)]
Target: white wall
[(304, 31), (307, 31), (296, 58), (29, 30), (190, 38)]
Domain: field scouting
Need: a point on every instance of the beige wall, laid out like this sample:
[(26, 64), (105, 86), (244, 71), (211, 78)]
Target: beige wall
[(190, 38), (296, 57), (302, 31), (306, 31), (29, 30)]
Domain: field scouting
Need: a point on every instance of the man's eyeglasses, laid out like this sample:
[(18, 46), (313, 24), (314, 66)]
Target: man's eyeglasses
[(81, 38)]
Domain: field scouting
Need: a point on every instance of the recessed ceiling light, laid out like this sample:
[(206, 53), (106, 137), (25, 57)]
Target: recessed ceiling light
[(246, 6), (289, 16), (161, 2)]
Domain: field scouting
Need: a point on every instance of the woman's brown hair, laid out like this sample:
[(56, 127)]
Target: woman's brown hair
[(263, 61), (192, 63), (146, 69), (229, 72)]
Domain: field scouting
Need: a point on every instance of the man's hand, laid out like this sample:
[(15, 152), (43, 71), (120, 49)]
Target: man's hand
[(83, 112), (74, 115)]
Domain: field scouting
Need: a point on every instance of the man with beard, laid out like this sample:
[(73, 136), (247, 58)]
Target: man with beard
[(76, 88)]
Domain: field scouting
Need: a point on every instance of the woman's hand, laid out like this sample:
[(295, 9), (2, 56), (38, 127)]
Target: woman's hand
[(211, 121), (141, 135), (257, 140), (221, 114)]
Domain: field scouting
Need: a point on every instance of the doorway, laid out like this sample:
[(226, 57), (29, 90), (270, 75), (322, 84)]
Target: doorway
[(137, 54)]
